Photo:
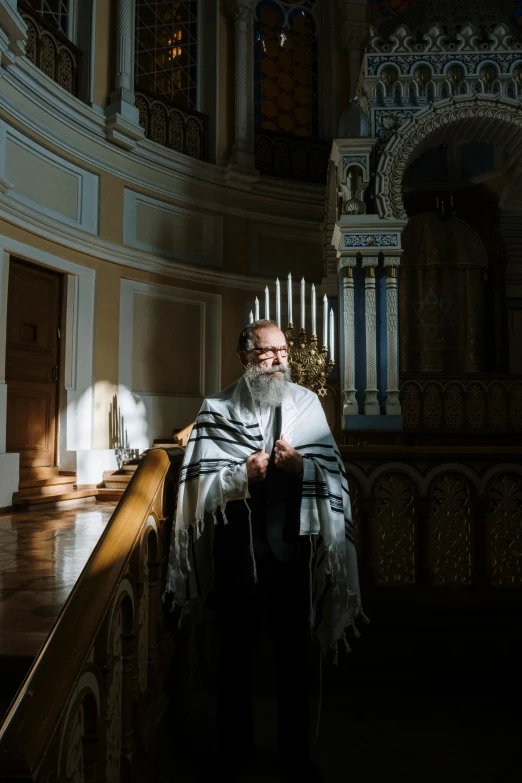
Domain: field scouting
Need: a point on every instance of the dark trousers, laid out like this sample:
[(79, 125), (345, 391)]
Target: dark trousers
[(282, 595)]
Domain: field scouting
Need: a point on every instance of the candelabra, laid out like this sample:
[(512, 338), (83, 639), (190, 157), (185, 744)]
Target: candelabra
[(310, 364), (118, 436)]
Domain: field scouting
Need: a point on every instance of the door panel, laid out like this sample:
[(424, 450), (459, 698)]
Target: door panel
[(33, 316)]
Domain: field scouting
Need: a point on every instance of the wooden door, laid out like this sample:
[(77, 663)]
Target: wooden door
[(32, 359)]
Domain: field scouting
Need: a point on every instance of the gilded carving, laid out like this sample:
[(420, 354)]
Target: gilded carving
[(476, 406), (497, 406), (504, 528), (516, 405), (395, 534), (454, 406), (176, 134), (450, 532), (193, 136), (411, 405), (48, 56), (433, 411), (65, 76), (32, 38), (158, 124)]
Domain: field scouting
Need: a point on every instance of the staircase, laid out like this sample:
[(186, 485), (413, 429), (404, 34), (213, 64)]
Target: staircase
[(39, 486)]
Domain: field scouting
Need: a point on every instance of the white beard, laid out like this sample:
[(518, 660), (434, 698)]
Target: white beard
[(269, 387)]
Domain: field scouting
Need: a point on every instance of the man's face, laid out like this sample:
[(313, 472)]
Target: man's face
[(267, 337)]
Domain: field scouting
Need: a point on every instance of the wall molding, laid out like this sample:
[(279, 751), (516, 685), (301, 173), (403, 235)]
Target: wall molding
[(144, 409), (90, 245), (211, 226), (87, 183), (35, 101)]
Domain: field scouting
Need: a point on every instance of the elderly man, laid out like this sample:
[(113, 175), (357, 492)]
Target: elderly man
[(262, 463)]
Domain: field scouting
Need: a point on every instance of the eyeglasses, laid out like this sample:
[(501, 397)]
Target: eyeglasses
[(270, 351)]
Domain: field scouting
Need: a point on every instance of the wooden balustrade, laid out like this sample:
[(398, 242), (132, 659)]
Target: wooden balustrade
[(179, 129), (50, 50), (292, 157), (94, 693), (431, 402)]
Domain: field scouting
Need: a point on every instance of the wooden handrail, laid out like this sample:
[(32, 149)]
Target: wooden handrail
[(183, 435), (39, 706)]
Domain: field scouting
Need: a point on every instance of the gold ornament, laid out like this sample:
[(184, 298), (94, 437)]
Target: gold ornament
[(310, 364)]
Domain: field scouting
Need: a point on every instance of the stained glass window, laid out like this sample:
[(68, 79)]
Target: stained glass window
[(54, 11), (286, 67), (166, 49)]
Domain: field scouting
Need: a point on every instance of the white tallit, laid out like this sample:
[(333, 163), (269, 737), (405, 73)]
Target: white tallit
[(226, 432)]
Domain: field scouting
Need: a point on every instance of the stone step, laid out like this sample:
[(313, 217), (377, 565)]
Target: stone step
[(46, 489), (117, 482), (52, 481), (104, 494), (37, 473), (57, 497)]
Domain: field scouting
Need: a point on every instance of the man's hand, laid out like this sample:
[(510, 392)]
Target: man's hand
[(287, 458), (256, 465)]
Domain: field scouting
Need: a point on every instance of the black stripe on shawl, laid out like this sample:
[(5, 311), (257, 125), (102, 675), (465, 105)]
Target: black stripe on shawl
[(224, 427), (232, 421)]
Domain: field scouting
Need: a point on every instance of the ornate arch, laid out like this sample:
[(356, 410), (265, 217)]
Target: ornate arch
[(411, 138)]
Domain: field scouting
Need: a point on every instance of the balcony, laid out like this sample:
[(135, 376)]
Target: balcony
[(180, 129), (50, 50), (292, 157)]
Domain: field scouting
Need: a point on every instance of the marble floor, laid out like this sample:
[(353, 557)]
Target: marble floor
[(42, 554)]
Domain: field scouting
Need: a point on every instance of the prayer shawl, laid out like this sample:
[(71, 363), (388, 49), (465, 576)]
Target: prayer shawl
[(226, 432)]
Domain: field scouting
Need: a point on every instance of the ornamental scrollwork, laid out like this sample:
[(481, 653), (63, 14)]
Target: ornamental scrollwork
[(450, 532), (395, 531), (504, 531)]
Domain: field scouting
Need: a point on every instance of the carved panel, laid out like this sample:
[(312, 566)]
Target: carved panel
[(395, 534), (433, 412), (51, 51), (182, 130), (114, 702), (504, 528), (450, 532), (459, 404)]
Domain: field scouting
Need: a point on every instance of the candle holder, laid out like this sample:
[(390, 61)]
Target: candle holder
[(310, 364)]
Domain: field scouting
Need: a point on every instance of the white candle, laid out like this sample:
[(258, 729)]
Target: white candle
[(325, 320), (290, 318), (302, 303), (251, 318), (267, 304), (278, 303), (314, 325), (332, 335), (256, 309)]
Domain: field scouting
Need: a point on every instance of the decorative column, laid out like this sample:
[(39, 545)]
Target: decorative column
[(13, 32), (350, 407), (393, 406), (122, 115), (371, 402), (243, 148)]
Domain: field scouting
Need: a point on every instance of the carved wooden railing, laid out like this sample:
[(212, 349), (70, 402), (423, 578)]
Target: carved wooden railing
[(180, 129), (94, 693), (291, 157), (461, 403), (50, 50), (428, 518)]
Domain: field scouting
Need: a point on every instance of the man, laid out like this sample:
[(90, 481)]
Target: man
[(261, 461)]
